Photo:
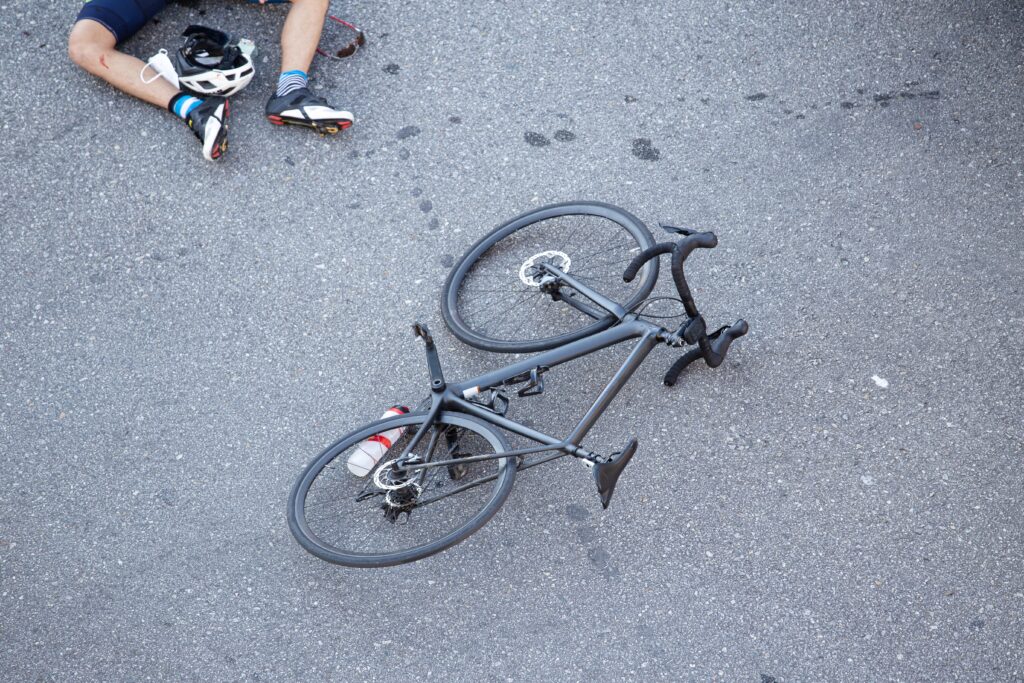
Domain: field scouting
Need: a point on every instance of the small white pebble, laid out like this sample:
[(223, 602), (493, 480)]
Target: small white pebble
[(880, 381)]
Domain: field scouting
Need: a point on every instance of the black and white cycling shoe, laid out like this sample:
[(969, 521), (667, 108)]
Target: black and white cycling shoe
[(209, 121), (302, 108)]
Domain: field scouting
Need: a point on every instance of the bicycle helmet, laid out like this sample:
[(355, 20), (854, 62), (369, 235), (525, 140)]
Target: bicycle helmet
[(211, 63)]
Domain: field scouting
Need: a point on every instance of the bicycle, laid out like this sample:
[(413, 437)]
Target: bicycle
[(447, 467)]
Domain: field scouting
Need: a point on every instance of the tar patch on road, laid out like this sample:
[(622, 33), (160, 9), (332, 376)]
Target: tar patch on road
[(408, 132), (910, 90), (577, 513), (535, 139), (643, 149), (562, 134)]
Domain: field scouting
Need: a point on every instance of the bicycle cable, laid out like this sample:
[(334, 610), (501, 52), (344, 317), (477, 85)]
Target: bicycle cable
[(645, 302)]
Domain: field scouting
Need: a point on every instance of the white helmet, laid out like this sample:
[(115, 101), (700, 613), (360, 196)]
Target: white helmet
[(212, 63)]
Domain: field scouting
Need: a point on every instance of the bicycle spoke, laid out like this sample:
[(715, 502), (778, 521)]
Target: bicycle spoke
[(506, 309), (597, 250), (332, 512)]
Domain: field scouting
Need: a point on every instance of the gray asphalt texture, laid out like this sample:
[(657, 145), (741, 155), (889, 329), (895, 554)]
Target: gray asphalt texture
[(178, 338)]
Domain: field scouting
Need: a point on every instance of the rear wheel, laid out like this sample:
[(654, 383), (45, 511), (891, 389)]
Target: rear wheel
[(375, 520), (495, 297)]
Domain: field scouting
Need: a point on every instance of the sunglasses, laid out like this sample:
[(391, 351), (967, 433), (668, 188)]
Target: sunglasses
[(352, 47)]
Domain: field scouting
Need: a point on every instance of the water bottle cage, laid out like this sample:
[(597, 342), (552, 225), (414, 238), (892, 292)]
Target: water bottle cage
[(534, 382), (497, 401)]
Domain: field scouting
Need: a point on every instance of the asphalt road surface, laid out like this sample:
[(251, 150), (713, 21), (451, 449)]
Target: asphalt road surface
[(842, 500)]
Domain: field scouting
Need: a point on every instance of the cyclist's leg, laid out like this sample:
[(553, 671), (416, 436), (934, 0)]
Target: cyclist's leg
[(292, 102), (101, 25), (301, 34)]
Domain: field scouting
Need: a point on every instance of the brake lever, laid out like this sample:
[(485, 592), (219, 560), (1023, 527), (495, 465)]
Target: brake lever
[(712, 348)]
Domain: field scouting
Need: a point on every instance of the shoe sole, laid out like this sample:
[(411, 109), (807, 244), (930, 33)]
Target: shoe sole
[(322, 127), (219, 145)]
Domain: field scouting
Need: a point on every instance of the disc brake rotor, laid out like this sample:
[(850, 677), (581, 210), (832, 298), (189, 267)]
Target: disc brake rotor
[(532, 275), (384, 477)]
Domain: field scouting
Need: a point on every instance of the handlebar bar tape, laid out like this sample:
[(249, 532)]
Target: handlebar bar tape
[(673, 372), (700, 240), (712, 352), (643, 257), (680, 250)]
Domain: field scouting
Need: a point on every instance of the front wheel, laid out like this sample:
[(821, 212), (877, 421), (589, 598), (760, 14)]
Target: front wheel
[(353, 521), (496, 298)]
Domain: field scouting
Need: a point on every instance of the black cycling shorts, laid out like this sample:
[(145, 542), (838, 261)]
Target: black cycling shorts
[(123, 18)]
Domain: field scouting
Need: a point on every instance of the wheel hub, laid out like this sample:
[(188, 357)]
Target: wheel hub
[(531, 273), (389, 478)]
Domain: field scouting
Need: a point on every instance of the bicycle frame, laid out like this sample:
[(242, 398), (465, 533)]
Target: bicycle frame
[(649, 335), (456, 396), (711, 347)]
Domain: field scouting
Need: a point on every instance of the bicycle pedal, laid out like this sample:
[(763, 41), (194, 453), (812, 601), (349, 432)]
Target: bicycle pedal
[(606, 474), (423, 332)]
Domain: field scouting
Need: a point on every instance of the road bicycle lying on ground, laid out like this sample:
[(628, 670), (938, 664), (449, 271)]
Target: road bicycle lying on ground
[(550, 281)]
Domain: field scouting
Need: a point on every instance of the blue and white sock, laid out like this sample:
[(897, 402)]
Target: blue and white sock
[(290, 81), (182, 104)]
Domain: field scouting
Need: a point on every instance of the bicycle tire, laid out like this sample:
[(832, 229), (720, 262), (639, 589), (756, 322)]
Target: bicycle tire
[(457, 276), (312, 543)]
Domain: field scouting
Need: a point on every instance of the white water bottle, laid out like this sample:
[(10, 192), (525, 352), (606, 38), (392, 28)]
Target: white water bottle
[(161, 65), (370, 452)]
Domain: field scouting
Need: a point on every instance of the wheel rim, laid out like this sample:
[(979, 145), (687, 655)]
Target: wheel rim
[(496, 299), (329, 522)]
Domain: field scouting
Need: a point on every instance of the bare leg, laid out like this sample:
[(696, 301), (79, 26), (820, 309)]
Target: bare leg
[(301, 34), (298, 106), (92, 47)]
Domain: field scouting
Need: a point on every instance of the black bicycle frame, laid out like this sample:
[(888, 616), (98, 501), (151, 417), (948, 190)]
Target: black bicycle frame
[(649, 335), (456, 396)]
